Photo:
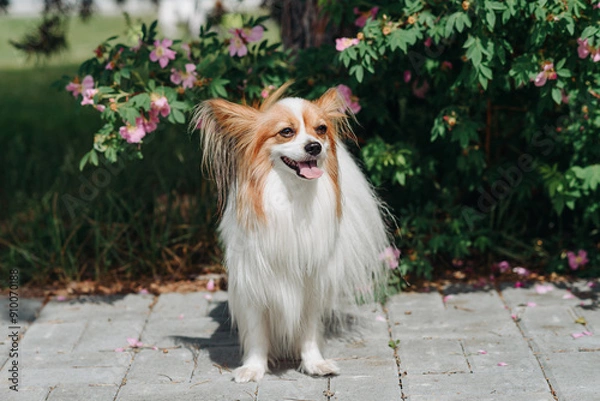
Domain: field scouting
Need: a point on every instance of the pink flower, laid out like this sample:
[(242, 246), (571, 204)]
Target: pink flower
[(350, 100), (583, 50), (134, 343), (77, 88), (420, 91), (243, 36), (427, 42), (502, 364), (531, 304), (208, 297), (575, 261), (518, 284), (187, 50), (342, 44), (363, 16), (547, 73), (88, 96), (162, 53), (120, 349), (521, 271), (253, 34), (237, 47), (151, 123), (210, 286), (187, 79), (407, 76), (133, 133), (446, 65), (503, 266), (482, 352), (568, 295), (160, 104), (390, 256), (543, 288)]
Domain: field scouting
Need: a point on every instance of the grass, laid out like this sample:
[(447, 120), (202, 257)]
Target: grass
[(147, 218)]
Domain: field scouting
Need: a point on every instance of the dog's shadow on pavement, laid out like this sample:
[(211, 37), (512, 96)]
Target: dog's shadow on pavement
[(223, 346)]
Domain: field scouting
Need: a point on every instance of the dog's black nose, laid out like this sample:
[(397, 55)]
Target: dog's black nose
[(313, 148)]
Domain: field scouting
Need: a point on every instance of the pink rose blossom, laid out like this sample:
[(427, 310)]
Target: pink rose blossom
[(77, 88), (187, 50), (407, 76), (390, 256), (243, 36), (521, 271), (253, 34), (342, 44), (187, 79), (134, 343), (364, 16), (547, 73), (133, 133), (350, 100), (420, 91), (576, 261), (162, 53), (160, 104), (446, 65), (88, 96), (583, 50), (503, 266), (237, 47)]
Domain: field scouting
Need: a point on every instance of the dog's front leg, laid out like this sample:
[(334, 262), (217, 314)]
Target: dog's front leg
[(313, 362), (254, 337)]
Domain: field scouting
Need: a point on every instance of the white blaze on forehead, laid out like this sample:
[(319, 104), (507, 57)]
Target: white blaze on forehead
[(296, 106)]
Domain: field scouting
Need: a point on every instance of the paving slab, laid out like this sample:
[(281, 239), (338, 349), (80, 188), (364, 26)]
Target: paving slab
[(461, 343)]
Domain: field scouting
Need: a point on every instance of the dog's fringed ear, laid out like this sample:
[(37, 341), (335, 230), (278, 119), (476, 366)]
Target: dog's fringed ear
[(336, 108), (226, 130)]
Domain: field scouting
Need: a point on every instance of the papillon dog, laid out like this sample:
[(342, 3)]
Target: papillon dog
[(302, 229)]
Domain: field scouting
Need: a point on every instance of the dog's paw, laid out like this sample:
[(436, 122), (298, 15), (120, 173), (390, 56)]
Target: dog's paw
[(320, 367), (248, 373)]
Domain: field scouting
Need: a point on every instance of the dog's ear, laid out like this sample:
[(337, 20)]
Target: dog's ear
[(332, 103), (337, 110), (226, 131)]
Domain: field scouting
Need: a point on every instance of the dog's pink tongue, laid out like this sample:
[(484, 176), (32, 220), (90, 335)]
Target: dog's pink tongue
[(309, 170)]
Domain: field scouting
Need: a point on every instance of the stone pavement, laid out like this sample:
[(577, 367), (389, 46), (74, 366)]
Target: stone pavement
[(534, 344)]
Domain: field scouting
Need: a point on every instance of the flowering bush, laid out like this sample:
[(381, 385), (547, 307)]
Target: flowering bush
[(479, 118), (138, 88)]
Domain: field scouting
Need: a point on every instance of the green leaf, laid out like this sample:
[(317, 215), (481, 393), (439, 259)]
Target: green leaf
[(490, 17), (93, 157), (589, 32), (84, 160), (556, 95)]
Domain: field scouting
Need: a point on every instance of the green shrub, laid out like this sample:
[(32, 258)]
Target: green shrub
[(478, 120)]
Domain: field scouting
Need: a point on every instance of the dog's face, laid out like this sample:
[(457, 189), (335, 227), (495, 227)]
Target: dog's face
[(294, 137), (298, 136)]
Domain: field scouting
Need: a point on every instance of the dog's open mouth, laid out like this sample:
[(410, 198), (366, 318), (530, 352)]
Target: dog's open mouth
[(306, 169)]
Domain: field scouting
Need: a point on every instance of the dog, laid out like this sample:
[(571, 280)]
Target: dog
[(302, 229)]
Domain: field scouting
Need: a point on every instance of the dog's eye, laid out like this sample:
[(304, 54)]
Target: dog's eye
[(286, 132), (321, 129)]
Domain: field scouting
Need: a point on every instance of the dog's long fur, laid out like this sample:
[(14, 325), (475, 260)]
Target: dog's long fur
[(295, 248)]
